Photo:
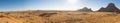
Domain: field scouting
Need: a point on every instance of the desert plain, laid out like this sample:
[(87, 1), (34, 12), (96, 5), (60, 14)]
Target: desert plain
[(58, 17)]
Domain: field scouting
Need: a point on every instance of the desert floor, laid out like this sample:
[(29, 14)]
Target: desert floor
[(59, 17)]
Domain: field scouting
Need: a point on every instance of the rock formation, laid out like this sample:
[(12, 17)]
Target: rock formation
[(110, 8), (85, 9)]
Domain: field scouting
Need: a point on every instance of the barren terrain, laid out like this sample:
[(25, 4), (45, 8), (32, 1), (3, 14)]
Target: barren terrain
[(58, 17)]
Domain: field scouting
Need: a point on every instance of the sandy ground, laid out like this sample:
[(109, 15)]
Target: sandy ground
[(59, 17)]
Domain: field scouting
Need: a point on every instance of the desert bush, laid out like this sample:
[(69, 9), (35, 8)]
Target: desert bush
[(1, 16), (21, 16), (6, 21), (84, 13), (31, 18), (117, 12), (111, 14), (72, 20), (7, 13), (47, 14)]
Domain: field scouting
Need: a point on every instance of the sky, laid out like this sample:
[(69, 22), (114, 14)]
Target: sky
[(10, 5)]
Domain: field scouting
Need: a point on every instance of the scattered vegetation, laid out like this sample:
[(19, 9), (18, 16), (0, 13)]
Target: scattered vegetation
[(46, 14), (63, 17)]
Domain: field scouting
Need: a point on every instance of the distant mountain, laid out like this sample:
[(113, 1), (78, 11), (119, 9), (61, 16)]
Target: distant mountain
[(85, 9), (110, 8)]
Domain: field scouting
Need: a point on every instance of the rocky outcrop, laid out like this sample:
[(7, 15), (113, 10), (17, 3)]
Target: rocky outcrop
[(110, 8), (85, 9)]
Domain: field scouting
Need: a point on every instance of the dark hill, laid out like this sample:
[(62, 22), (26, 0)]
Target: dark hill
[(110, 8)]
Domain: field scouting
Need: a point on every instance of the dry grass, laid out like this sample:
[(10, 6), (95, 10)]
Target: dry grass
[(59, 17)]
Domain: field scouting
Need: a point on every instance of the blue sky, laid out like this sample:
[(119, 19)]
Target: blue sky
[(10, 5)]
